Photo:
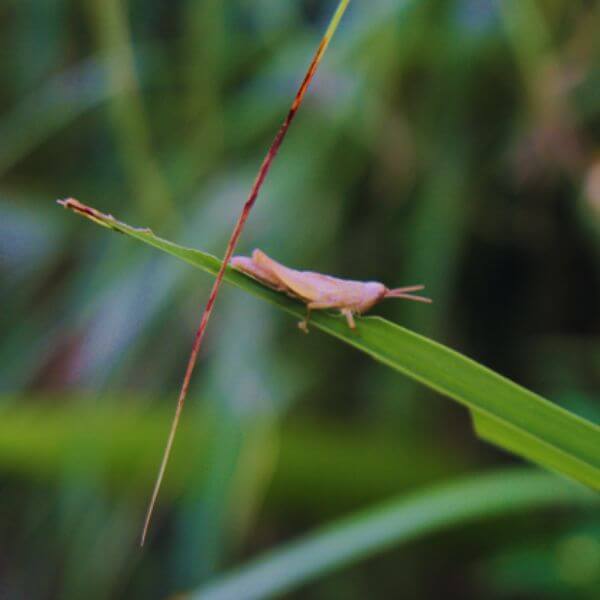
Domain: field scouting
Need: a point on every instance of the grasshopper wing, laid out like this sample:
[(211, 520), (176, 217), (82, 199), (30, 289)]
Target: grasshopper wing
[(249, 267), (306, 285)]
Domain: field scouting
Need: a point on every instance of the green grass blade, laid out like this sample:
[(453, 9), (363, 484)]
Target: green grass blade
[(525, 444), (505, 413), (396, 522)]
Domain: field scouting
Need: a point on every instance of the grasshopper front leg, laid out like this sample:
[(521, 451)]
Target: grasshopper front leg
[(303, 325), (349, 317)]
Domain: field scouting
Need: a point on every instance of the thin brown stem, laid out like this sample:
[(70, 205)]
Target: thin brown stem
[(237, 230)]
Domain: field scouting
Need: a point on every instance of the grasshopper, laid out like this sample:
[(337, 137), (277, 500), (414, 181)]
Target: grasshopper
[(319, 291)]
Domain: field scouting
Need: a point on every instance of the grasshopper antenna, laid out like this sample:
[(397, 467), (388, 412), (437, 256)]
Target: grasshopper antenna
[(404, 292), (237, 230)]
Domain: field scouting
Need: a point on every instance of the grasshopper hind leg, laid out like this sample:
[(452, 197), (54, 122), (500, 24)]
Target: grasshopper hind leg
[(315, 305), (347, 312)]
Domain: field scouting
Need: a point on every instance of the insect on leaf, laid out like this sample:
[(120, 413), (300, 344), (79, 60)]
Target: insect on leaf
[(320, 291)]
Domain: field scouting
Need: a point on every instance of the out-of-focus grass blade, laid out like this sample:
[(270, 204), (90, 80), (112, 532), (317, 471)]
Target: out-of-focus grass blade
[(128, 112), (58, 102), (539, 430), (117, 438), (366, 533)]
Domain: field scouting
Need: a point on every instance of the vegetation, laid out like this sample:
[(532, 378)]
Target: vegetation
[(450, 144)]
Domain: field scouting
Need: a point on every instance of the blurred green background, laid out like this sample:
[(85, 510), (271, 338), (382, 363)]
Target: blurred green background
[(450, 143)]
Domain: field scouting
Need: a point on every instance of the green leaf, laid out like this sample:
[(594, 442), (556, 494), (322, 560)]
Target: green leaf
[(398, 521), (505, 413)]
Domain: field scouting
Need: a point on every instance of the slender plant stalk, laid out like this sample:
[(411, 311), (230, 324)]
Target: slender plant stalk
[(237, 230)]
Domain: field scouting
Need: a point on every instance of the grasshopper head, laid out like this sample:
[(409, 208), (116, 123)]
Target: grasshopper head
[(372, 293)]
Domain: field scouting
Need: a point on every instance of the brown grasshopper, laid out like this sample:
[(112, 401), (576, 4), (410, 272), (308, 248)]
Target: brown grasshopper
[(320, 291)]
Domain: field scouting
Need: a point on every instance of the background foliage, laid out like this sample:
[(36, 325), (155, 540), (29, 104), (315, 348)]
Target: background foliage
[(448, 143)]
